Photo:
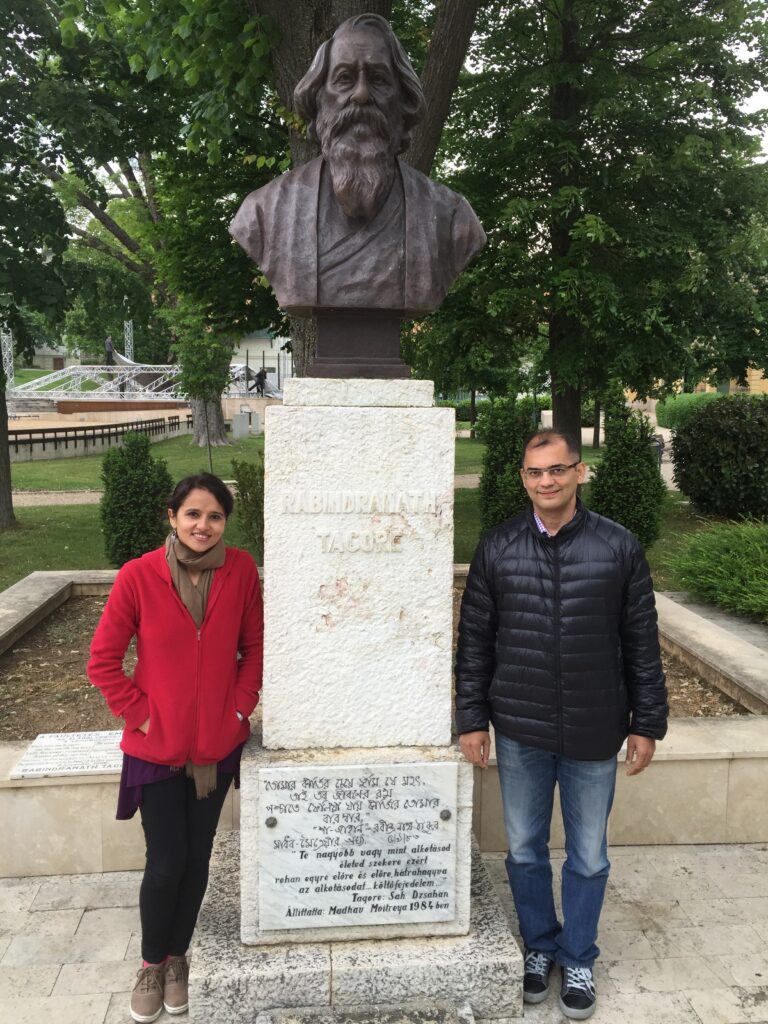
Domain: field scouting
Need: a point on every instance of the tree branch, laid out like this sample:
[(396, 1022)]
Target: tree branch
[(145, 163), (445, 57), (133, 181), (103, 218), (142, 269), (116, 180)]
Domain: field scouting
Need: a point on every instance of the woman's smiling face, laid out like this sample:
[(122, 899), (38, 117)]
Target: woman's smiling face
[(199, 523)]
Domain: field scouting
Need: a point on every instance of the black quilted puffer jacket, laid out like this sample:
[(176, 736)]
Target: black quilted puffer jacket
[(558, 642)]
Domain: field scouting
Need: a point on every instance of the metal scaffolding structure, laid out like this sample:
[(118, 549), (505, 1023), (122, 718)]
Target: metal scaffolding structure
[(6, 343), (127, 382)]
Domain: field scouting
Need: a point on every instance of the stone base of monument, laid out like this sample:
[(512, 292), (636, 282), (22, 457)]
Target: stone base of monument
[(231, 983), (354, 843)]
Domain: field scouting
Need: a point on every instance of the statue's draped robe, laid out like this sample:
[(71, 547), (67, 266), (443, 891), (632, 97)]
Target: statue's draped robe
[(278, 226), (361, 260)]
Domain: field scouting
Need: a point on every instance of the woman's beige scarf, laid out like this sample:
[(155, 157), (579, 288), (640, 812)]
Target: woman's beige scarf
[(180, 559)]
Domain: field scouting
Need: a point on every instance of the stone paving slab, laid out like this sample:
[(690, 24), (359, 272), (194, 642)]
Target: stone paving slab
[(691, 958), (55, 1009)]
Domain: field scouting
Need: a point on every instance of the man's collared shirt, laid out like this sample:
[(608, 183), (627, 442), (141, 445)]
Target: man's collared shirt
[(541, 526)]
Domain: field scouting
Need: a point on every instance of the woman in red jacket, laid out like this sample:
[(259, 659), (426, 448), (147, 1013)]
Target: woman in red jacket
[(195, 609)]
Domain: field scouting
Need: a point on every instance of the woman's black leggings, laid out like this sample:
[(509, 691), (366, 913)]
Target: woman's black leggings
[(179, 830)]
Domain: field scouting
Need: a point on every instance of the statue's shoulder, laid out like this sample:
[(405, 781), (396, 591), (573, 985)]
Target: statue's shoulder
[(419, 186), (275, 191)]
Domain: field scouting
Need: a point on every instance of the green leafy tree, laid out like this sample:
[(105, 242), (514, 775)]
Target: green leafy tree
[(133, 506), (239, 63), (606, 148), (503, 427), (719, 452), (32, 230), (627, 485), (249, 479)]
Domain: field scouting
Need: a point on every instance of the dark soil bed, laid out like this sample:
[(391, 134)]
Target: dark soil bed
[(43, 686)]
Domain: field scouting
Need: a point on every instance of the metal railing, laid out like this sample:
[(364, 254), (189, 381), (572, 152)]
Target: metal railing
[(103, 434)]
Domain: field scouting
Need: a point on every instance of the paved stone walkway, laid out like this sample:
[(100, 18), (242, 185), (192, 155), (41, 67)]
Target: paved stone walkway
[(684, 937), (28, 499)]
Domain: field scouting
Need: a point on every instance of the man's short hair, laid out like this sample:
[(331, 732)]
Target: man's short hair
[(413, 105), (548, 435)]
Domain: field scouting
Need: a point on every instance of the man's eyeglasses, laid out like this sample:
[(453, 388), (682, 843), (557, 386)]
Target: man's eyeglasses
[(554, 471)]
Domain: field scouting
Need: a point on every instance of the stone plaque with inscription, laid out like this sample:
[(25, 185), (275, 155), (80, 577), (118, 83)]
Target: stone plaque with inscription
[(71, 753), (357, 844)]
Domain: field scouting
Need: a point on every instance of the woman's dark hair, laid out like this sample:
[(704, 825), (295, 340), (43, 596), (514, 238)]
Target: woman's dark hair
[(206, 482)]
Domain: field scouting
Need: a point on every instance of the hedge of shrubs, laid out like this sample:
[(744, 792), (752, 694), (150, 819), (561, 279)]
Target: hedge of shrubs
[(719, 454), (249, 480), (627, 485), (503, 426), (463, 407), (135, 500), (726, 565), (674, 411)]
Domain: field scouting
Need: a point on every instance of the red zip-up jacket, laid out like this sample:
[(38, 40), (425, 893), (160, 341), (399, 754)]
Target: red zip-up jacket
[(189, 683)]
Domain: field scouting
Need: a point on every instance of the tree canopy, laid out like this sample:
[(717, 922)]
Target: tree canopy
[(607, 150)]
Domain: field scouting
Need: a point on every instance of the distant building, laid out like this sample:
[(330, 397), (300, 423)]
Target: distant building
[(53, 357), (262, 349), (757, 384)]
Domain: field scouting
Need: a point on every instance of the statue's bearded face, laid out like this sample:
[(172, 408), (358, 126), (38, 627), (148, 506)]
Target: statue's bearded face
[(359, 121)]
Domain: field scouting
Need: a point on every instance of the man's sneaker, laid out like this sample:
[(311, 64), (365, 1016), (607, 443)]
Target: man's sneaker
[(537, 969), (176, 998), (147, 995), (577, 993)]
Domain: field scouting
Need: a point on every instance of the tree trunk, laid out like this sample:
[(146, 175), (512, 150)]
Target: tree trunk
[(565, 331), (7, 518), (208, 423), (566, 410), (447, 49), (303, 344), (596, 426)]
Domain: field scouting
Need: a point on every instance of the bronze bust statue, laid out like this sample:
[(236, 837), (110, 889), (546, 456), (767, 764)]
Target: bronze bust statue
[(357, 229)]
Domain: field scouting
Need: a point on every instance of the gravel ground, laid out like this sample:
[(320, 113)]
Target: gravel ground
[(29, 498), (43, 686)]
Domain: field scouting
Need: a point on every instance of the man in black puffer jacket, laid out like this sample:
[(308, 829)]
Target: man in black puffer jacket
[(558, 648)]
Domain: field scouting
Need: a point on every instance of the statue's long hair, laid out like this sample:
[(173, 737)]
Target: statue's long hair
[(414, 107)]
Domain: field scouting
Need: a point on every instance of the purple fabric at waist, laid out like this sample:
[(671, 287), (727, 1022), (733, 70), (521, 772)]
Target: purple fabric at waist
[(137, 773)]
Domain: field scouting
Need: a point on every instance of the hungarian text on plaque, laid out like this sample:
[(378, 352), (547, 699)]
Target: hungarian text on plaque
[(358, 844)]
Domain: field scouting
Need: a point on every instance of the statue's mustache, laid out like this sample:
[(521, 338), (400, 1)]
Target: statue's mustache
[(353, 115)]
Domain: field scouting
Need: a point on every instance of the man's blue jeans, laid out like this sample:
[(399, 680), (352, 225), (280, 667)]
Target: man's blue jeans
[(528, 776)]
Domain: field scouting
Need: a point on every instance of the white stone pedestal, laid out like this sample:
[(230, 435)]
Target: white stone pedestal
[(356, 812), (358, 550)]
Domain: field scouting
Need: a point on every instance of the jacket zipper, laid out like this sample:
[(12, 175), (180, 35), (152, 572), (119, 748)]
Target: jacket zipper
[(197, 699), (198, 657), (558, 678)]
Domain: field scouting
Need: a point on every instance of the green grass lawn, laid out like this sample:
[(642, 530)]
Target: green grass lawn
[(469, 455), (26, 374), (466, 523), (677, 524), (83, 472), (57, 537)]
